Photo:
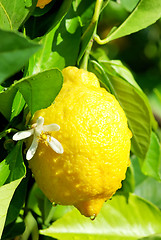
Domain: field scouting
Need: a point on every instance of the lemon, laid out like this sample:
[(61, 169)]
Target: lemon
[(96, 145), (42, 3)]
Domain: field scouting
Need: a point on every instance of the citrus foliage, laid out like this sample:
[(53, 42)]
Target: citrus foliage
[(35, 45)]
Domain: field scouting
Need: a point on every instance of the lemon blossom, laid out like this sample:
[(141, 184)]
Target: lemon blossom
[(39, 129)]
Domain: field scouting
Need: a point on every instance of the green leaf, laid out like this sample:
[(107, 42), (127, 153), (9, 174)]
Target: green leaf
[(129, 5), (146, 13), (17, 201), (4, 172), (125, 73), (15, 162), (128, 185), (6, 101), (13, 230), (153, 237), (40, 90), (39, 26), (146, 187), (6, 193), (12, 167), (151, 164), (133, 103), (85, 10), (17, 105), (119, 219), (13, 13), (58, 45), (15, 50)]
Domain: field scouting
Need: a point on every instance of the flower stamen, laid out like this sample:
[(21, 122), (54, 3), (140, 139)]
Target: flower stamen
[(40, 131)]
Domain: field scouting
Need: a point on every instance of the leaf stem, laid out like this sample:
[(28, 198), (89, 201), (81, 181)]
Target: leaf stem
[(84, 63), (101, 41), (95, 16), (93, 22)]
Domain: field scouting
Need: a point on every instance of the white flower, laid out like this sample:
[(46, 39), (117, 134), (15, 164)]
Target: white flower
[(39, 129)]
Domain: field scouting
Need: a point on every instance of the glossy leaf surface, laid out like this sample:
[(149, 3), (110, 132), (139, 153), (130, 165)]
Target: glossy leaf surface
[(46, 84), (15, 50), (13, 13), (138, 19), (119, 219), (6, 193)]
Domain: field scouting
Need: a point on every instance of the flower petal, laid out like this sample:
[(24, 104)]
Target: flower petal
[(31, 151), (22, 135), (40, 121), (52, 127), (55, 144), (39, 126)]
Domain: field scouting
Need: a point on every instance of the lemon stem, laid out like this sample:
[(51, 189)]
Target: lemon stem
[(92, 25)]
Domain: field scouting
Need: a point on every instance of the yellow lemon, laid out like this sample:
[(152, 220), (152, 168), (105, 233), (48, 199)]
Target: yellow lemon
[(96, 144), (42, 3)]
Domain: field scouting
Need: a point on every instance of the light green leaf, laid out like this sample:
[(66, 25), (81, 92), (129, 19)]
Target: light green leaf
[(4, 172), (119, 219), (133, 103), (151, 164), (6, 193), (13, 13), (146, 187), (58, 45), (125, 73), (129, 5), (146, 13), (15, 50), (40, 90)]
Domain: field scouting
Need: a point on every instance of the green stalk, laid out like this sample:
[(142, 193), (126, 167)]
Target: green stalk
[(94, 21)]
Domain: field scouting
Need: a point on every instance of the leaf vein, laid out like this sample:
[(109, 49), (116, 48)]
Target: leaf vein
[(9, 20)]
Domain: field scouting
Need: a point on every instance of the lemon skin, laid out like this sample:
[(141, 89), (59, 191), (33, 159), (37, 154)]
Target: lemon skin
[(96, 140)]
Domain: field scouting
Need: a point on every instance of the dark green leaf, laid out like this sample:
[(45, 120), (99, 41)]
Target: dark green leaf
[(13, 230), (151, 164), (119, 219), (6, 101), (17, 105), (17, 201), (85, 10), (15, 50), (133, 103), (13, 13), (152, 237), (40, 90), (128, 185), (146, 13), (6, 193), (15, 162), (39, 26), (58, 45)]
